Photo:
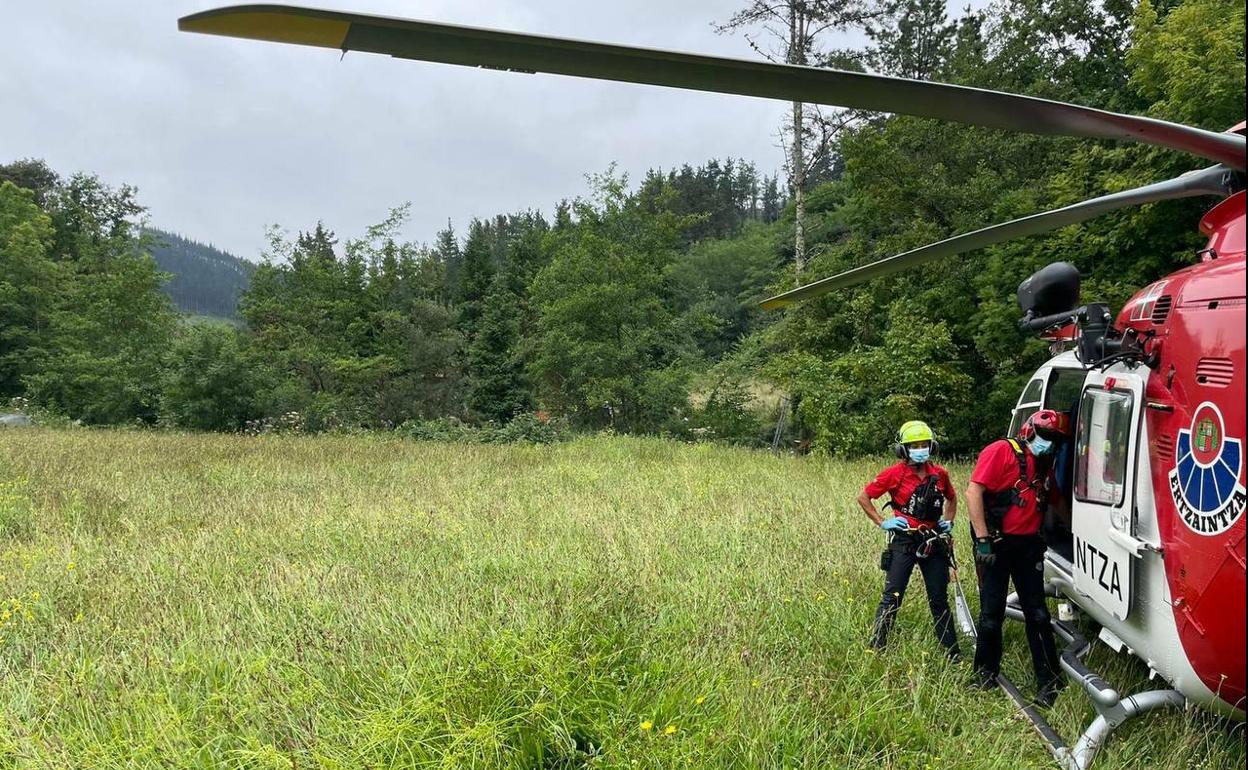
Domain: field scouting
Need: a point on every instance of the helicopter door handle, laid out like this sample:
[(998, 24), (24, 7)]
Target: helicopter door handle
[(1136, 547)]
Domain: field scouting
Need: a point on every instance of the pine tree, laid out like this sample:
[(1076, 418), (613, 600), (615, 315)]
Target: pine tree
[(772, 203), (476, 276), (914, 40), (446, 251), (497, 390)]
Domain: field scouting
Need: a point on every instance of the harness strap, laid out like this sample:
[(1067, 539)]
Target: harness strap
[(1024, 482)]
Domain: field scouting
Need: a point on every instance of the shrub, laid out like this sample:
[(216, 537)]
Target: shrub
[(208, 383), (525, 428)]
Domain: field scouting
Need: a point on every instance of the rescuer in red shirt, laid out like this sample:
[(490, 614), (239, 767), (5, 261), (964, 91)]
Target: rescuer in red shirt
[(1006, 497), (923, 505)]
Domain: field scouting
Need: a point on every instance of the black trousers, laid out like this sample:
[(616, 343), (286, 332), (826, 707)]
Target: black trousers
[(935, 569), (1021, 559)]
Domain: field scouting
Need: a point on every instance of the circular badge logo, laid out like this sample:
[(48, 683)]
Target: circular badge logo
[(1206, 435), (1205, 481)]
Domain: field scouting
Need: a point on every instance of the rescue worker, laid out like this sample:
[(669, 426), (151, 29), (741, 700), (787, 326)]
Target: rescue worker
[(923, 504), (1006, 499)]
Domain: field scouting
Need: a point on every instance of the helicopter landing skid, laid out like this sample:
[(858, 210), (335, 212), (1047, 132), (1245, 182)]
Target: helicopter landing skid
[(1112, 709)]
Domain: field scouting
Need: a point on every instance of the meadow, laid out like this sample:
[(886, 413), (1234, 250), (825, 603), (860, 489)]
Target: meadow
[(188, 601)]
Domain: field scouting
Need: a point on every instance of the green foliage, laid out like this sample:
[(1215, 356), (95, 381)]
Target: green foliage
[(1188, 64), (84, 325), (525, 428), (909, 182), (717, 285), (497, 390), (729, 415), (359, 339), (608, 352), (209, 383), (854, 402), (499, 323), (29, 280)]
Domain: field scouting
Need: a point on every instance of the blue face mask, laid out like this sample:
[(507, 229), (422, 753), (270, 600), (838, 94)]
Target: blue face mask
[(919, 456), (1040, 446)]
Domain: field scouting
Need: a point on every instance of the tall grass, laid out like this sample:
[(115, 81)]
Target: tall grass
[(333, 602)]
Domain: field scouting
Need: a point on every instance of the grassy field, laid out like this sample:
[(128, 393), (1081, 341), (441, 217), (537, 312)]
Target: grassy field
[(342, 602)]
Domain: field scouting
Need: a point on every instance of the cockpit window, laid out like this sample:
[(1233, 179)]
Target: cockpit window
[(1032, 394), (1028, 403), (1102, 447), (1065, 385), (1020, 416)]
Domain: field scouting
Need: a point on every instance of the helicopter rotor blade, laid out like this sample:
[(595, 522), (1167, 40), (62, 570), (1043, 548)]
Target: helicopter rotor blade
[(493, 49), (1215, 180)]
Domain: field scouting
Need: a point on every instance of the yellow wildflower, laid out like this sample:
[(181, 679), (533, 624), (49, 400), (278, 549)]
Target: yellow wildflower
[(669, 730), (647, 725), (700, 700)]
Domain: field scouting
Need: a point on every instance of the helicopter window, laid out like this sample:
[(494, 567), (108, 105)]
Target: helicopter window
[(1020, 416), (1065, 385), (1103, 439), (1032, 393), (1028, 403)]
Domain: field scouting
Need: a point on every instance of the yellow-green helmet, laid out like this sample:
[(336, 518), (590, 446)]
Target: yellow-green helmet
[(915, 430)]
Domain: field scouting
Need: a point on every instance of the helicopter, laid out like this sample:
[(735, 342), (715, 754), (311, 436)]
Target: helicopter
[(1149, 539)]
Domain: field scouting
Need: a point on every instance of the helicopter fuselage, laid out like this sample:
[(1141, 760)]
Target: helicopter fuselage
[(1149, 532)]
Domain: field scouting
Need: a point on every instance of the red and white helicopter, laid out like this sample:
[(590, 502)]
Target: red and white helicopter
[(1153, 546)]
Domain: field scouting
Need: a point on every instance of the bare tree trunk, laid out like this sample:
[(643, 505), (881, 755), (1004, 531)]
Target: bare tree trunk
[(797, 55), (799, 195)]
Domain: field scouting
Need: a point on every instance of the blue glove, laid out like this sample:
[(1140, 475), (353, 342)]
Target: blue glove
[(945, 526), (895, 524)]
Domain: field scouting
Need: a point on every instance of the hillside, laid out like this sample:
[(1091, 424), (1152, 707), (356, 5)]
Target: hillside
[(347, 601), (206, 281)]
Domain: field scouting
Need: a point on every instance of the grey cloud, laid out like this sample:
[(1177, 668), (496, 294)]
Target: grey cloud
[(225, 136)]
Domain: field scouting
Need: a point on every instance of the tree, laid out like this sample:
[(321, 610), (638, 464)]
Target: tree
[(912, 39), (476, 276), (608, 350), (363, 339), (446, 252), (857, 399), (795, 29), (908, 182), (209, 383), (87, 322), (31, 174), (29, 280), (497, 390)]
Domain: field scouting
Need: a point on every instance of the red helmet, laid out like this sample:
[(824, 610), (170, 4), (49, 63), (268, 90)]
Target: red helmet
[(1049, 424)]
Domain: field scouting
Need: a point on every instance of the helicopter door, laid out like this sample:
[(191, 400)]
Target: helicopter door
[(1107, 436)]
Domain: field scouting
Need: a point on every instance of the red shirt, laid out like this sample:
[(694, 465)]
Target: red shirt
[(899, 482), (997, 470)]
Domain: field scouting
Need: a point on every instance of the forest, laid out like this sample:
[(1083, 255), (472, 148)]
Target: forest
[(204, 280), (633, 307)]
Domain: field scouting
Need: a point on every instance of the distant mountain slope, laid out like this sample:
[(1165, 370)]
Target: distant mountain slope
[(206, 281)]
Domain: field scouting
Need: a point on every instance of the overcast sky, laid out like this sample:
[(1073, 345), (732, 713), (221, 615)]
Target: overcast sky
[(224, 136)]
